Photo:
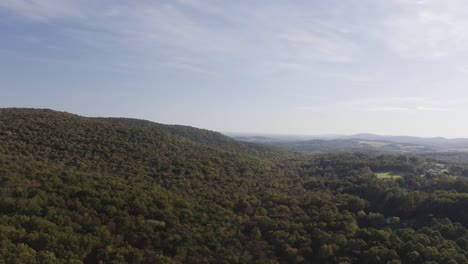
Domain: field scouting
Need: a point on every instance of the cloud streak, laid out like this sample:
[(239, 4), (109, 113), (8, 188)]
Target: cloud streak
[(282, 35), (403, 104), (44, 10), (391, 105), (245, 34), (427, 29)]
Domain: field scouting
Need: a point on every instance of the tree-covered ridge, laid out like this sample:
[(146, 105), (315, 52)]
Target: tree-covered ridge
[(106, 144), (76, 189)]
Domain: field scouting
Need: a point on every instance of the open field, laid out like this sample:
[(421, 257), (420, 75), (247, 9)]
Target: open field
[(374, 143), (387, 175)]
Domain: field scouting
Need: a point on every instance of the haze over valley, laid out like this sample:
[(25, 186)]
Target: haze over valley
[(358, 142)]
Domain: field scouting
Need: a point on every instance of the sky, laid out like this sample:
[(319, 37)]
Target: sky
[(311, 67)]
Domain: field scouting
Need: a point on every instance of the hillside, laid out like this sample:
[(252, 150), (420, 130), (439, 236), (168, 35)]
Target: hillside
[(113, 190)]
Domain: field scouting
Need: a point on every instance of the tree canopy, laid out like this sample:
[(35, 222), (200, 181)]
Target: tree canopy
[(112, 190)]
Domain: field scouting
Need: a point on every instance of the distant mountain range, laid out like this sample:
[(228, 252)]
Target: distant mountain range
[(360, 142)]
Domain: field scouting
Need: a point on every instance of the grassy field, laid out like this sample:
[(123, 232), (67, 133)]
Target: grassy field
[(374, 143), (387, 175)]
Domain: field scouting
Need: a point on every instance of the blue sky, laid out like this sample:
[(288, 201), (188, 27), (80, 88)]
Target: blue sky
[(395, 67)]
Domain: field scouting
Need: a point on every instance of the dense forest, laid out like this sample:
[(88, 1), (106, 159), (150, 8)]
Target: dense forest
[(112, 190)]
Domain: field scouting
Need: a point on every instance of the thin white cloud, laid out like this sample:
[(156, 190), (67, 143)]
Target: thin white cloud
[(402, 104), (426, 29), (271, 35), (43, 10), (391, 105), (309, 45), (267, 37), (209, 7)]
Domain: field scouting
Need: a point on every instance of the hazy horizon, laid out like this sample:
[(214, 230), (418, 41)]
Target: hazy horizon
[(280, 67), (321, 136), (247, 133)]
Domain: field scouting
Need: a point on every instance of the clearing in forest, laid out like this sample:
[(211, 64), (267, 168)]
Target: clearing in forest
[(385, 175)]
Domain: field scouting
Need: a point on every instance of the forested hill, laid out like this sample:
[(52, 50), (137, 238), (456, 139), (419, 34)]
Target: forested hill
[(114, 190), (39, 122), (58, 167)]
